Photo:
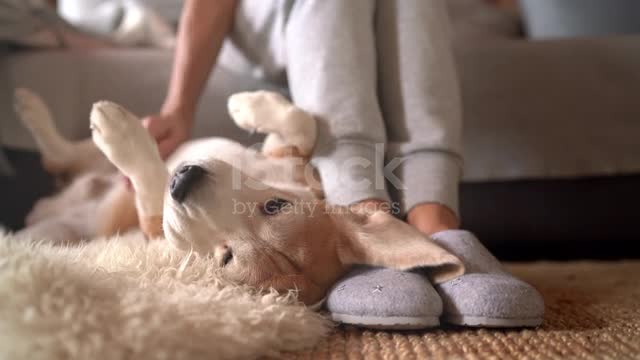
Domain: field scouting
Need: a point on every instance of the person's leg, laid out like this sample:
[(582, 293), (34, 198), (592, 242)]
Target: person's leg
[(332, 73), (421, 106), (331, 70), (420, 101)]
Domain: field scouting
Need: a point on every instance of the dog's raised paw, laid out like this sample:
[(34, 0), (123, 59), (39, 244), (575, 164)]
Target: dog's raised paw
[(32, 110), (121, 137), (271, 113), (257, 111), (111, 120)]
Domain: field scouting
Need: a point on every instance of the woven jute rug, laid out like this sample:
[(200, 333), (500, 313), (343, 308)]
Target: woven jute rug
[(592, 312)]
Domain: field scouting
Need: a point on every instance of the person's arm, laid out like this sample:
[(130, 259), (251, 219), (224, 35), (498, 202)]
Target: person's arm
[(203, 26)]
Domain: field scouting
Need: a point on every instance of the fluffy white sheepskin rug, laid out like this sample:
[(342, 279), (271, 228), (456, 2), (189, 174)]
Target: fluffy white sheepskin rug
[(126, 298)]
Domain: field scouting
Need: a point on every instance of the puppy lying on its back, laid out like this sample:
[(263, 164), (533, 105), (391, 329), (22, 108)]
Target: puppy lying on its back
[(257, 213)]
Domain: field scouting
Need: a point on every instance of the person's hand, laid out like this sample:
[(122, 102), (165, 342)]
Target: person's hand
[(169, 129), (431, 218)]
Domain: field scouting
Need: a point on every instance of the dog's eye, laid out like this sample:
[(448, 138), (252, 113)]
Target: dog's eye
[(273, 206), (228, 256)]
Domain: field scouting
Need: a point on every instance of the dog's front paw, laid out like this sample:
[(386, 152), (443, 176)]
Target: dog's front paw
[(257, 111), (270, 112), (121, 137), (32, 110)]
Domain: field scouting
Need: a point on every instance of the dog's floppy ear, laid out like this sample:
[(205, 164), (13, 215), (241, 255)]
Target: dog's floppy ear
[(380, 239)]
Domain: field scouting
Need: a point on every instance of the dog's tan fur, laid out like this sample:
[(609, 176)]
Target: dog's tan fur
[(118, 213), (307, 249)]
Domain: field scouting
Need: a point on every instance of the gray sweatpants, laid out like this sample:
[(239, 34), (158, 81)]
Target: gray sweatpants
[(380, 78)]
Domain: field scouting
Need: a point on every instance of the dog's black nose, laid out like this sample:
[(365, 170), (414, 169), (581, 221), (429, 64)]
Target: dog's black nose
[(183, 180)]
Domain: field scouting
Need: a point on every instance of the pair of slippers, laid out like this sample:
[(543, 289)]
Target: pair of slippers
[(485, 296)]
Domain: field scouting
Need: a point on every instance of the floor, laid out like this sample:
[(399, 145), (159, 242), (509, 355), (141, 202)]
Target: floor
[(593, 312)]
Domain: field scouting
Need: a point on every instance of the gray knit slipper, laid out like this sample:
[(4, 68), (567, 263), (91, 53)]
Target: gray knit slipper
[(486, 295), (381, 298)]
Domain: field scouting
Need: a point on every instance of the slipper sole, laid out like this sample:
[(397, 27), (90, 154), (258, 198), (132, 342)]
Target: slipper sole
[(387, 322)]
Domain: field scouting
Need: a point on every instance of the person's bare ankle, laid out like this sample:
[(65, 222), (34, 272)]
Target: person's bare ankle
[(431, 218)]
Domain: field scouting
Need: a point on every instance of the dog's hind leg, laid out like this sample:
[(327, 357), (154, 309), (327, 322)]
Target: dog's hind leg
[(292, 131), (56, 231), (58, 154), (121, 137)]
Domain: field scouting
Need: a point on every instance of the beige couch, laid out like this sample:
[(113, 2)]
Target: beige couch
[(533, 110)]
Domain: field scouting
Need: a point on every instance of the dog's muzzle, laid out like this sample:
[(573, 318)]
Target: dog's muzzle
[(183, 180)]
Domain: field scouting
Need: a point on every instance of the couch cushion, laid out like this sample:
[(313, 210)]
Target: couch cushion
[(577, 18), (551, 109), (70, 81)]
